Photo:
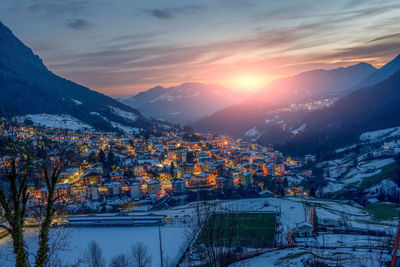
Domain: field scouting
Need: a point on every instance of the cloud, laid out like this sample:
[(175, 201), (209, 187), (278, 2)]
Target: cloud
[(79, 24), (171, 12), (59, 7), (386, 37), (279, 40)]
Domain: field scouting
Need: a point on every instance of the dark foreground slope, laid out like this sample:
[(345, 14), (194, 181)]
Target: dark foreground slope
[(28, 87)]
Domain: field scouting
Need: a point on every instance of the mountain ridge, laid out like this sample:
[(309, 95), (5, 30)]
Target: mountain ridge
[(183, 103), (27, 86), (284, 92)]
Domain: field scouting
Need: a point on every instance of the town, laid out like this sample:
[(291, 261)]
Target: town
[(162, 175), (165, 168)]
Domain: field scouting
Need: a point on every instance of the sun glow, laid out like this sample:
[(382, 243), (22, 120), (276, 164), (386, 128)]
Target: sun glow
[(247, 82)]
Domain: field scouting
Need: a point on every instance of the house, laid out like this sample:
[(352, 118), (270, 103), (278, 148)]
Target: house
[(259, 172), (116, 176), (224, 183), (91, 177), (78, 192), (265, 193), (186, 168), (114, 188), (153, 187), (245, 178), (61, 192), (135, 188), (92, 192), (139, 171), (304, 229), (202, 178), (178, 186)]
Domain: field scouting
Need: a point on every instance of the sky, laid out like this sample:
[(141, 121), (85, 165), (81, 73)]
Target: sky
[(123, 47)]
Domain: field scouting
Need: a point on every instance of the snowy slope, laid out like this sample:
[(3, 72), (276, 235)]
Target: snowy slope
[(380, 134), (55, 121)]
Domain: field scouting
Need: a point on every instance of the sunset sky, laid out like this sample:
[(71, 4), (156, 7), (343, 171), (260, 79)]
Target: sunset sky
[(123, 47)]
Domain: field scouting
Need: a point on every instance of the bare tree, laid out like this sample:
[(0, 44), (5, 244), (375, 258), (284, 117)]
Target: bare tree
[(15, 170), (94, 255), (217, 238), (214, 236), (21, 161), (53, 161), (141, 256), (120, 261), (59, 241)]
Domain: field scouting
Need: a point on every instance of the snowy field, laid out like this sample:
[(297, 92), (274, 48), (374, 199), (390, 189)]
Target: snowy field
[(380, 134), (352, 176), (112, 240), (122, 113), (115, 241), (296, 257), (55, 121)]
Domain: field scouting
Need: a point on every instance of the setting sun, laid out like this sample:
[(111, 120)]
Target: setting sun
[(247, 82)]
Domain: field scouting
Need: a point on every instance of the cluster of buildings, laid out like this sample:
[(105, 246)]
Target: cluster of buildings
[(139, 168)]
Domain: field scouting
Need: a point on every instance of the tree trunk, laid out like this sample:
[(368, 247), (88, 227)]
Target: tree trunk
[(21, 256), (42, 253)]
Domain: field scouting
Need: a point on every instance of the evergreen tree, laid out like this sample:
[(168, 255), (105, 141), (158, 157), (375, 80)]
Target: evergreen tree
[(172, 167), (111, 161), (102, 157), (189, 157)]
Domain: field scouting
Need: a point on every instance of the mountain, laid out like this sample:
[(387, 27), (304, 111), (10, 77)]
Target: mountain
[(366, 109), (301, 131), (304, 88), (184, 103), (381, 74), (313, 84), (28, 90)]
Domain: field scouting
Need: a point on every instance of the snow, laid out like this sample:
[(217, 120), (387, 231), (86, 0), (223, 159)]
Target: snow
[(168, 97), (165, 96), (332, 187), (379, 163), (122, 113), (380, 134), (55, 121), (356, 175), (125, 129), (386, 187), (252, 132), (115, 241), (343, 149), (112, 240), (298, 256), (300, 129), (271, 259), (196, 94), (268, 121), (76, 102)]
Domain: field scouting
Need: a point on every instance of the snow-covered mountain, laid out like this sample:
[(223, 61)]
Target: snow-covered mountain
[(29, 91), (183, 103)]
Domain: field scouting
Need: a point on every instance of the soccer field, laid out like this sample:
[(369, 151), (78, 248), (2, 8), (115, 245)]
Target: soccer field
[(256, 230)]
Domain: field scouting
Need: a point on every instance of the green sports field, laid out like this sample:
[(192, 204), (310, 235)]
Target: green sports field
[(256, 230)]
